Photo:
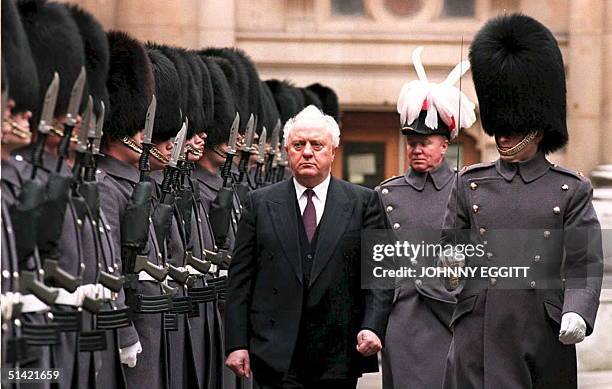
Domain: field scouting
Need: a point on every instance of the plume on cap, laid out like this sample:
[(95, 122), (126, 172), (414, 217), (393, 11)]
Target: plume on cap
[(442, 101)]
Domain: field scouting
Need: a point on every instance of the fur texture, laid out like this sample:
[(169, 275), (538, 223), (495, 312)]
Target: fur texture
[(168, 113), (520, 80), (130, 84)]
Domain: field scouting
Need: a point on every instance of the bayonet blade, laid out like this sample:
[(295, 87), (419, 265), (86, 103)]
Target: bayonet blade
[(85, 126), (249, 134), (99, 129), (76, 95), (261, 146), (150, 121), (98, 123), (4, 100), (177, 145), (275, 136), (233, 138), (46, 118)]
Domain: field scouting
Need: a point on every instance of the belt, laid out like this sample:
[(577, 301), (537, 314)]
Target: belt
[(113, 319), (29, 303)]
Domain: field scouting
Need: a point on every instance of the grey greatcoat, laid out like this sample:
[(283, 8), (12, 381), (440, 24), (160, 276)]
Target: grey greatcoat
[(506, 331), (117, 180), (418, 333)]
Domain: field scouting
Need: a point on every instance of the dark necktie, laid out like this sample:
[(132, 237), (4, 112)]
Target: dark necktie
[(310, 215)]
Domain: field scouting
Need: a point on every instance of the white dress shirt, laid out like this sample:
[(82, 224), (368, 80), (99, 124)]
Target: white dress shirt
[(320, 195)]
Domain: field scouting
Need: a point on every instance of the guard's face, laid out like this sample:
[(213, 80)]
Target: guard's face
[(425, 152), (506, 142), (165, 149), (311, 154), (197, 143), (21, 120)]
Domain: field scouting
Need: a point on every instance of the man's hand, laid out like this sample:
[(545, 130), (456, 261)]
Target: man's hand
[(239, 362), (573, 328), (368, 343), (129, 354)]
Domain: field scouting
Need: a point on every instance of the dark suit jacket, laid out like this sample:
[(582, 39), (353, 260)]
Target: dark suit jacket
[(266, 299)]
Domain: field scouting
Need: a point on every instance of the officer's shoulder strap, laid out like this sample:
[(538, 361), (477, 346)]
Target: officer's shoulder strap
[(569, 172), (477, 166), (390, 180)]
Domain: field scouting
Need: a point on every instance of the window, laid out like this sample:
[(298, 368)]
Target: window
[(403, 8), (348, 7), (458, 9)]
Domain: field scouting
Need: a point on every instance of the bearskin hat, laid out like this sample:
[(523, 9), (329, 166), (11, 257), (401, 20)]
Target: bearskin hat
[(329, 100), (168, 118)]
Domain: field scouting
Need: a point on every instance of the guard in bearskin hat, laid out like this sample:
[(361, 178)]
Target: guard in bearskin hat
[(125, 195), (521, 331)]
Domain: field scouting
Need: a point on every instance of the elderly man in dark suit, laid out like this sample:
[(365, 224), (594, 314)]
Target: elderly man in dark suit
[(296, 313)]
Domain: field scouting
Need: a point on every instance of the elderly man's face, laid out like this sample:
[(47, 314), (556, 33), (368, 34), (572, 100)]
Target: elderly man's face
[(311, 154), (425, 152)]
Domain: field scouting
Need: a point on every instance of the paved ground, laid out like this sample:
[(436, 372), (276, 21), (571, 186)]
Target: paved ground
[(590, 380)]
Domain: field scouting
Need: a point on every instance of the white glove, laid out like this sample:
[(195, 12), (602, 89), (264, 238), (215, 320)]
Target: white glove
[(7, 301), (103, 292), (129, 354), (453, 260), (88, 290), (573, 328)]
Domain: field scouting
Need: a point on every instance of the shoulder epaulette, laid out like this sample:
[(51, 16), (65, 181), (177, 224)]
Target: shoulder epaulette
[(388, 180), (569, 172), (477, 166)]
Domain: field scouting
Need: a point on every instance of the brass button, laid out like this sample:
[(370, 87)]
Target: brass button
[(414, 262), (564, 187), (389, 208), (79, 222), (473, 186), (159, 255), (6, 274), (108, 228), (93, 223), (475, 208), (17, 323), (556, 210), (396, 226), (537, 258), (482, 230), (385, 191), (41, 272), (532, 284), (418, 282), (546, 234), (493, 281), (50, 316)]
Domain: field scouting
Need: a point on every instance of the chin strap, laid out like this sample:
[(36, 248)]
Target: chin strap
[(514, 150)]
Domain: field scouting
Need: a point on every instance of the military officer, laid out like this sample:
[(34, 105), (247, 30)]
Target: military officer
[(520, 332), (418, 328)]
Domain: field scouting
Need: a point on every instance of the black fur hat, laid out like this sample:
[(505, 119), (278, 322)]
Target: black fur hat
[(329, 100), (207, 92), (237, 74), (168, 112), (520, 80), (95, 44), (311, 98), (130, 84), (194, 109), (20, 70), (269, 112), (56, 47), (181, 67), (284, 98), (224, 108)]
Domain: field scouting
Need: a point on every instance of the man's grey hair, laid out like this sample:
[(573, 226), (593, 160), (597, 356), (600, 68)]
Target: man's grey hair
[(312, 117)]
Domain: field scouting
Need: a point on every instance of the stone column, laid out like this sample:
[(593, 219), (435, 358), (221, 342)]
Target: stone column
[(606, 138), (171, 22), (217, 23), (585, 65)]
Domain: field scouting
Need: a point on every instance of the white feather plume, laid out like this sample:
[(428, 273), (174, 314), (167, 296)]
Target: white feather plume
[(443, 99)]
